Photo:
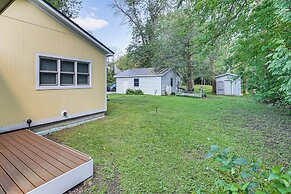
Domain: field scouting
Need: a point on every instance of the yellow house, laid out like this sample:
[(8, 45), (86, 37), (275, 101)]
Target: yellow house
[(51, 69), (51, 72)]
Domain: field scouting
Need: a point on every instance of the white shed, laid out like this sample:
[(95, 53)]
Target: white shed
[(154, 81), (228, 84)]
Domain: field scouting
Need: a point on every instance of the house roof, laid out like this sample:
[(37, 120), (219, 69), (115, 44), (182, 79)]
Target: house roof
[(144, 72), (60, 17), (231, 74)]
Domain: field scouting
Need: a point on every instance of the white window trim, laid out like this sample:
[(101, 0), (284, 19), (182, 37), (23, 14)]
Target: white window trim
[(60, 87)]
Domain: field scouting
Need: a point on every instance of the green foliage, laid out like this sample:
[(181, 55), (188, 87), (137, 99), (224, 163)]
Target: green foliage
[(238, 175), (136, 150), (110, 76), (256, 35), (134, 92), (143, 17), (125, 62), (70, 8), (280, 66)]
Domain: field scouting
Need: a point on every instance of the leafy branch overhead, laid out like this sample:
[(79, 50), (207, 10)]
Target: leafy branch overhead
[(70, 8)]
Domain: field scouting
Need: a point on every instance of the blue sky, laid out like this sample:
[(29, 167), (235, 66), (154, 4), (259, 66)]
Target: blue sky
[(97, 17)]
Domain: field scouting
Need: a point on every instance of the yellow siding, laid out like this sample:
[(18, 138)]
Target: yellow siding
[(26, 31)]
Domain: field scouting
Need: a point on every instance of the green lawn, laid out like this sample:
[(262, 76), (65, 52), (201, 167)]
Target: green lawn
[(136, 150)]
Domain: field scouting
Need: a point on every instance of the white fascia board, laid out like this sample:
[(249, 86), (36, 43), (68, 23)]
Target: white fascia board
[(66, 181), (160, 75), (70, 24)]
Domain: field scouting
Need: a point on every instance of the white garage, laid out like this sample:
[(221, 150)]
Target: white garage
[(228, 84), (154, 81)]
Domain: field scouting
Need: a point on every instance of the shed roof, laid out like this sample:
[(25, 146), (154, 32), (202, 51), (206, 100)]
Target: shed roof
[(225, 74), (143, 72), (60, 17)]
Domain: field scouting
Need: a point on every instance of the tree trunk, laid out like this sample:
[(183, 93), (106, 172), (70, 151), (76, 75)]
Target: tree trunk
[(212, 69), (190, 82), (246, 86), (213, 86)]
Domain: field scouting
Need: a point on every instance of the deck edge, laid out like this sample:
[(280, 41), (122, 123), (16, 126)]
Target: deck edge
[(67, 180)]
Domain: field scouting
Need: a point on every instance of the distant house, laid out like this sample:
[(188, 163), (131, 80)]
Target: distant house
[(228, 84), (154, 81), (51, 71)]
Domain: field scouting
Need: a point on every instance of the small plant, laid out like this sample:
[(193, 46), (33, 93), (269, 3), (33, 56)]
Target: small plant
[(134, 92), (238, 175)]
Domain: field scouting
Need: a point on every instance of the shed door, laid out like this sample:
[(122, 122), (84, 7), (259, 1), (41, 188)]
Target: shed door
[(219, 87), (227, 87)]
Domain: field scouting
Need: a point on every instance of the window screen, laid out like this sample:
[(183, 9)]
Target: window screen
[(67, 66), (48, 79), (48, 74), (48, 64), (83, 73), (67, 73)]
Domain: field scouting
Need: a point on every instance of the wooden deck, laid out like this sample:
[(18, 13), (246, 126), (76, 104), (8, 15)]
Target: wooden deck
[(30, 163)]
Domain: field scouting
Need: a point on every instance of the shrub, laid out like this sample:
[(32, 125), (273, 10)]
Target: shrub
[(134, 92), (241, 176)]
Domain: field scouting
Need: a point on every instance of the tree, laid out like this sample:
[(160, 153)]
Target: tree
[(178, 46), (124, 63), (175, 46), (256, 35), (143, 17), (70, 8)]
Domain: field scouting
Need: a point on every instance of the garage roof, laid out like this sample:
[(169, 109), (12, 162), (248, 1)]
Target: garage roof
[(143, 72)]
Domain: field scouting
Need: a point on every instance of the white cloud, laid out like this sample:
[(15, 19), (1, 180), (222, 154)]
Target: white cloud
[(91, 22)]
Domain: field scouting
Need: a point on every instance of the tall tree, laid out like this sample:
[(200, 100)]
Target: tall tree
[(70, 8), (143, 17), (175, 46), (257, 35), (178, 45)]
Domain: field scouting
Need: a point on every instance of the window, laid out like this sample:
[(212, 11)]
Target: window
[(67, 73), (48, 72), (136, 82), (83, 73), (60, 73), (172, 82)]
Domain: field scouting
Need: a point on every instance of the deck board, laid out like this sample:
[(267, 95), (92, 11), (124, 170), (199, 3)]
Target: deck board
[(43, 173), (7, 184), (41, 154), (76, 158), (29, 162), (50, 168), (49, 152), (26, 171), (15, 175), (1, 190)]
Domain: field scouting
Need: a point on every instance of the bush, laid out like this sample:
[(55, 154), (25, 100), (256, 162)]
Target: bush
[(134, 92), (242, 176)]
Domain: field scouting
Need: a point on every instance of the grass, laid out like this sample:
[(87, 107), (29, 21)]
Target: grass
[(136, 150)]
